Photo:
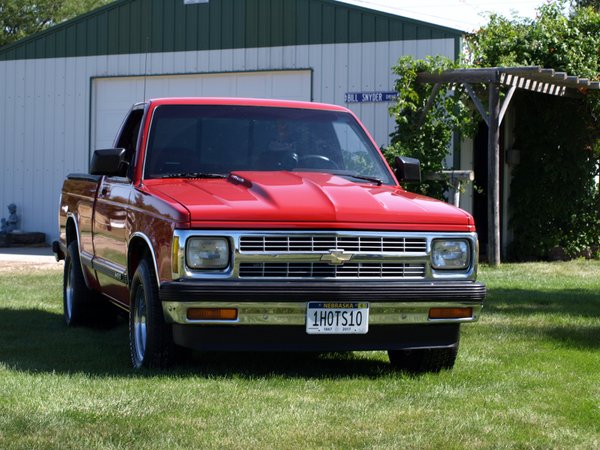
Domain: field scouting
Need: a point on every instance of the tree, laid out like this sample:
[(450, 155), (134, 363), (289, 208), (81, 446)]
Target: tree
[(554, 195), (21, 18)]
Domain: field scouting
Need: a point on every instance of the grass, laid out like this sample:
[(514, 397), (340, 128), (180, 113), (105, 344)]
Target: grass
[(527, 375)]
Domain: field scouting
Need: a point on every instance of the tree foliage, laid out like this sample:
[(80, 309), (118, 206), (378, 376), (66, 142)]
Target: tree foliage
[(426, 136), (554, 196), (21, 18)]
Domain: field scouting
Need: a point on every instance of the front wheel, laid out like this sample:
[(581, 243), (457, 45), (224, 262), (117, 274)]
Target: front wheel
[(424, 360), (150, 338)]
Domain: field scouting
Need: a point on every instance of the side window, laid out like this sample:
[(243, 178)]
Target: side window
[(129, 137)]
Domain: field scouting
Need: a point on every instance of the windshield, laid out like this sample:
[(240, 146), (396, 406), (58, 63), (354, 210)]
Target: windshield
[(214, 140)]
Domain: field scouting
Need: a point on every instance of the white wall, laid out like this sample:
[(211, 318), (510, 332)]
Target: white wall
[(45, 105)]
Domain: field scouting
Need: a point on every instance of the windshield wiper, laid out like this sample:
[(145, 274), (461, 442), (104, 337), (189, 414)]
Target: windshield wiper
[(194, 175), (374, 180)]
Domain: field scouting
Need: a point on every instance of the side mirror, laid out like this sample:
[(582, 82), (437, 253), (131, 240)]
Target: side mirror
[(109, 162), (408, 169)]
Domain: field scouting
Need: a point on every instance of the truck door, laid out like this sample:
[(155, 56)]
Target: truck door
[(112, 217)]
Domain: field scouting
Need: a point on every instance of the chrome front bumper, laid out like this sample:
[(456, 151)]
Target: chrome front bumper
[(294, 313)]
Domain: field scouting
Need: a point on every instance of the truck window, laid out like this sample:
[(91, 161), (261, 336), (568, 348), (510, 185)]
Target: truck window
[(222, 138), (129, 137)]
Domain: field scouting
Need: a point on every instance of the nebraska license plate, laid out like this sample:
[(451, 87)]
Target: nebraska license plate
[(337, 318)]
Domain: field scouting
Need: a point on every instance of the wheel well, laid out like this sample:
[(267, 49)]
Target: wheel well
[(137, 251), (71, 231)]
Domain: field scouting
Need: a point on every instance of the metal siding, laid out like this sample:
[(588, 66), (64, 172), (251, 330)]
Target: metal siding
[(30, 50), (315, 35), (382, 29), (368, 28), (264, 28), (302, 22), (81, 37), (124, 45), (156, 27), (276, 23), (227, 17), (204, 28), (168, 28), (102, 34), (252, 23), (289, 22), (180, 35), (136, 31), (396, 31), (10, 179), (328, 24), (215, 25), (341, 25), (191, 29), (409, 31), (354, 25)]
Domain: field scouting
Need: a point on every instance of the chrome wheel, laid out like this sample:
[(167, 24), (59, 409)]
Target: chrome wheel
[(150, 338), (139, 324), (69, 292)]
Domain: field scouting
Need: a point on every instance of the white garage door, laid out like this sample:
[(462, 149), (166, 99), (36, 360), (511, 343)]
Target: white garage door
[(112, 97)]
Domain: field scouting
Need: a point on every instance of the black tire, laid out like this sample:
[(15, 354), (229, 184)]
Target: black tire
[(424, 360), (150, 338), (77, 297)]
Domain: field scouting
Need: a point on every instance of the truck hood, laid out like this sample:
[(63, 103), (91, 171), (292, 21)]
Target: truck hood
[(297, 198)]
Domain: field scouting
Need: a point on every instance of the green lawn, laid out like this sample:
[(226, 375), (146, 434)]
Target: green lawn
[(527, 376)]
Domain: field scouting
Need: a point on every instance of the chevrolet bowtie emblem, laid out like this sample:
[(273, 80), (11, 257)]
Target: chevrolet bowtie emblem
[(337, 257)]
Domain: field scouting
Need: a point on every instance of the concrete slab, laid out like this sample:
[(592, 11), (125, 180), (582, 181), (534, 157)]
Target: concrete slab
[(28, 257)]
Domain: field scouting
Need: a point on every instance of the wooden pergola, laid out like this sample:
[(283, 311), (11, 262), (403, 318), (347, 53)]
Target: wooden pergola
[(531, 78)]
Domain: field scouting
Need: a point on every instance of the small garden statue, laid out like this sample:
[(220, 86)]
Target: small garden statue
[(12, 223)]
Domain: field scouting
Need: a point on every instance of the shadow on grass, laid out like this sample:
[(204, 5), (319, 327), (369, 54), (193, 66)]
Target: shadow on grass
[(571, 305), (38, 341), (522, 302)]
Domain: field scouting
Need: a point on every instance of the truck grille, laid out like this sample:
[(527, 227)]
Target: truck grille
[(323, 270), (290, 244)]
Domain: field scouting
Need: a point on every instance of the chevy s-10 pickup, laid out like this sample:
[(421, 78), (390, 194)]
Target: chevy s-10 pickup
[(244, 224)]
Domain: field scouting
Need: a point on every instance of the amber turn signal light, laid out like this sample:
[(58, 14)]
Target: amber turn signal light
[(451, 313), (212, 314)]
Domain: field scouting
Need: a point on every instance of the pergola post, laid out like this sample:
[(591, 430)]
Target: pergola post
[(494, 175)]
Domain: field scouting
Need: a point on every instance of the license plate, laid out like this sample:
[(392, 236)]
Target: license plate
[(337, 318)]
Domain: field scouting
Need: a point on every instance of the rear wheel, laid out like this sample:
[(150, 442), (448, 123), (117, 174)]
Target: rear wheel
[(150, 338), (77, 297), (82, 305), (424, 359)]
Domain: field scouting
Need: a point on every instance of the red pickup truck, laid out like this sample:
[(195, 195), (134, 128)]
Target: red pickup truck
[(232, 224)]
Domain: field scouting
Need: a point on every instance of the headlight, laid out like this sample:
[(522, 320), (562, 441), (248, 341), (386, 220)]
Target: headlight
[(207, 253), (450, 254)]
